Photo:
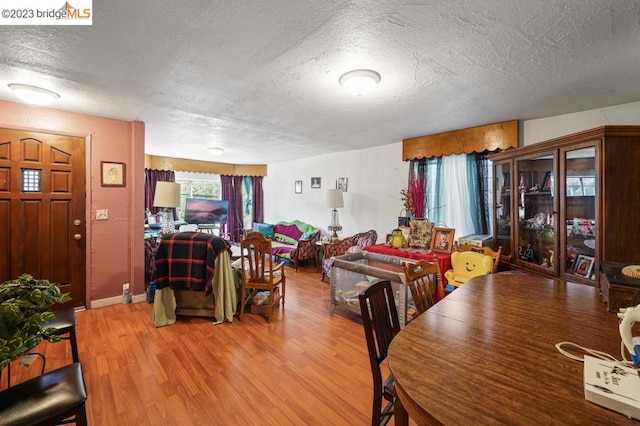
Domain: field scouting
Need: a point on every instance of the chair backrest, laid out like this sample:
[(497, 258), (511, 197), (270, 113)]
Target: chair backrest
[(256, 258), (420, 279), (381, 323), (364, 239), (487, 251)]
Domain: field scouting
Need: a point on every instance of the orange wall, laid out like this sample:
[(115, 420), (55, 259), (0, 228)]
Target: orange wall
[(115, 247)]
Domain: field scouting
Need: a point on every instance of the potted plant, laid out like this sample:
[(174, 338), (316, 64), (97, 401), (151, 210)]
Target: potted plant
[(25, 305), (413, 198)]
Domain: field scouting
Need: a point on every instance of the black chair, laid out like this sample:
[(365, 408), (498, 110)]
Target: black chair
[(50, 399), (65, 324), (381, 324)]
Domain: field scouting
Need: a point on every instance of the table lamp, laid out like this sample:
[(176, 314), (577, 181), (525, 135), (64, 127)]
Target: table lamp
[(334, 201), (167, 196)]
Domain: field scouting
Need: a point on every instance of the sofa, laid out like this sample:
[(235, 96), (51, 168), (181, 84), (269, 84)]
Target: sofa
[(293, 241), (360, 240)]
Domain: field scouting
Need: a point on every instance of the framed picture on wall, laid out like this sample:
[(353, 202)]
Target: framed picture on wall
[(342, 184), (298, 187), (112, 174), (315, 182)]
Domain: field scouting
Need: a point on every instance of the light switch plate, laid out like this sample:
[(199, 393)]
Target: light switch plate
[(102, 214)]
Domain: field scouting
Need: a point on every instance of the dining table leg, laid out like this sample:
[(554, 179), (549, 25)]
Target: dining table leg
[(401, 418)]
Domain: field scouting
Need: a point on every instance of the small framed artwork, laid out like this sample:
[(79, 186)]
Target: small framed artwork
[(298, 186), (342, 184), (315, 182), (584, 265), (406, 232), (442, 240), (112, 174), (547, 183), (388, 239)]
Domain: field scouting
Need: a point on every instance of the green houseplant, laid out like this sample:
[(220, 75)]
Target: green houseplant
[(25, 305)]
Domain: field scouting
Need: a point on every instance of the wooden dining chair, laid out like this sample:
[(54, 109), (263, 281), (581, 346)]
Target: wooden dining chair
[(423, 278), (258, 272), (381, 325)]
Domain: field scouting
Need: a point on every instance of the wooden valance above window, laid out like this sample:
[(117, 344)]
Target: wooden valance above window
[(475, 139), (197, 166)]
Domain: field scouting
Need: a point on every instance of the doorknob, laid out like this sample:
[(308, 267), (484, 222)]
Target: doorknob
[(77, 236), (77, 222)]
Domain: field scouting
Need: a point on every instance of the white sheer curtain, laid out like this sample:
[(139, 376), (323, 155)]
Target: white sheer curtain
[(455, 196)]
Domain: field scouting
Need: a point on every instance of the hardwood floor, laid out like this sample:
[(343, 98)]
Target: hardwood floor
[(306, 367)]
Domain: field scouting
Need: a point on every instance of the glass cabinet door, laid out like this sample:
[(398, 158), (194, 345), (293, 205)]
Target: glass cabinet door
[(579, 166), (536, 232), (503, 205)]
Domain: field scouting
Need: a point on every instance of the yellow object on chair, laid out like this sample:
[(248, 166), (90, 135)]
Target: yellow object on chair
[(466, 265)]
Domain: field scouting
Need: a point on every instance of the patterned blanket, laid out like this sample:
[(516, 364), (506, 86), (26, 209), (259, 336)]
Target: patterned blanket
[(185, 260)]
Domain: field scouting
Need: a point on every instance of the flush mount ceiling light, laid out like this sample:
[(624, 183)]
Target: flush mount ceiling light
[(34, 95), (359, 82), (215, 150)]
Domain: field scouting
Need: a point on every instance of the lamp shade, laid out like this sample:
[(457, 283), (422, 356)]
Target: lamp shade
[(167, 194), (334, 198)]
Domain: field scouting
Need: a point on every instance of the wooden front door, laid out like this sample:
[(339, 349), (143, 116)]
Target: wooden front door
[(42, 209)]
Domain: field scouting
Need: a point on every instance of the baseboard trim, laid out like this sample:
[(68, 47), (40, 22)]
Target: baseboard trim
[(101, 303)]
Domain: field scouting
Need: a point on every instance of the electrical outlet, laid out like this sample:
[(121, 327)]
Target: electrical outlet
[(102, 214)]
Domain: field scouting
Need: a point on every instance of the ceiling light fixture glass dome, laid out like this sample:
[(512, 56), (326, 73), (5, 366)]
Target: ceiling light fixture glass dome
[(359, 82), (33, 94)]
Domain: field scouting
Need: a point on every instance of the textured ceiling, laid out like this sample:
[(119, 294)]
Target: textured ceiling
[(261, 78)]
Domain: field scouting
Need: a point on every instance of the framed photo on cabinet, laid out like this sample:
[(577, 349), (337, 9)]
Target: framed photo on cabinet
[(442, 240), (584, 265)]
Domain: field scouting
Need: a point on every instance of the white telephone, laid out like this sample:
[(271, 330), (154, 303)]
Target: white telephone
[(628, 317)]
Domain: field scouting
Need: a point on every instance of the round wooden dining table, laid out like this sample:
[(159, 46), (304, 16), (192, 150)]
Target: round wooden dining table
[(486, 354)]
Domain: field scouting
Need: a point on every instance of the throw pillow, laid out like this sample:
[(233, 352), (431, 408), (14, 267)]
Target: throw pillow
[(265, 228), (421, 231), (307, 235)]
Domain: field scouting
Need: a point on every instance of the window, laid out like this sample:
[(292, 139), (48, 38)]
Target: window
[(197, 185), (459, 192), (31, 180)]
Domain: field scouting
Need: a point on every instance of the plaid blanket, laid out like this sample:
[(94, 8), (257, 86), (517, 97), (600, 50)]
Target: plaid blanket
[(185, 260)]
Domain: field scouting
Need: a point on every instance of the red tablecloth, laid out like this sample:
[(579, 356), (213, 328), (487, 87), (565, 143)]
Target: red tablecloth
[(444, 259)]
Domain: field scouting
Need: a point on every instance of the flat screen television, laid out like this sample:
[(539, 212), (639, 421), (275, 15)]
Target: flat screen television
[(206, 212)]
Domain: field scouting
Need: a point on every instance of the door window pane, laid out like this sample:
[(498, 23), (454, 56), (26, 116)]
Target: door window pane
[(31, 180)]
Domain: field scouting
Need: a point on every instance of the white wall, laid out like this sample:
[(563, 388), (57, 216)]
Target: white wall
[(376, 175), (543, 129), (372, 201)]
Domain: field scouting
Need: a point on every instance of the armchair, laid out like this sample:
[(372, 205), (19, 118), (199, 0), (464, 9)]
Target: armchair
[(306, 250), (362, 240), (466, 265)]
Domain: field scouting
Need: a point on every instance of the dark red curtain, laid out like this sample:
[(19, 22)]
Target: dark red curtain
[(232, 192), (257, 199), (150, 179)]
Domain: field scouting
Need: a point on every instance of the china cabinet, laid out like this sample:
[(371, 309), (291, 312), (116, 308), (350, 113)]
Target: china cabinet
[(564, 205)]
